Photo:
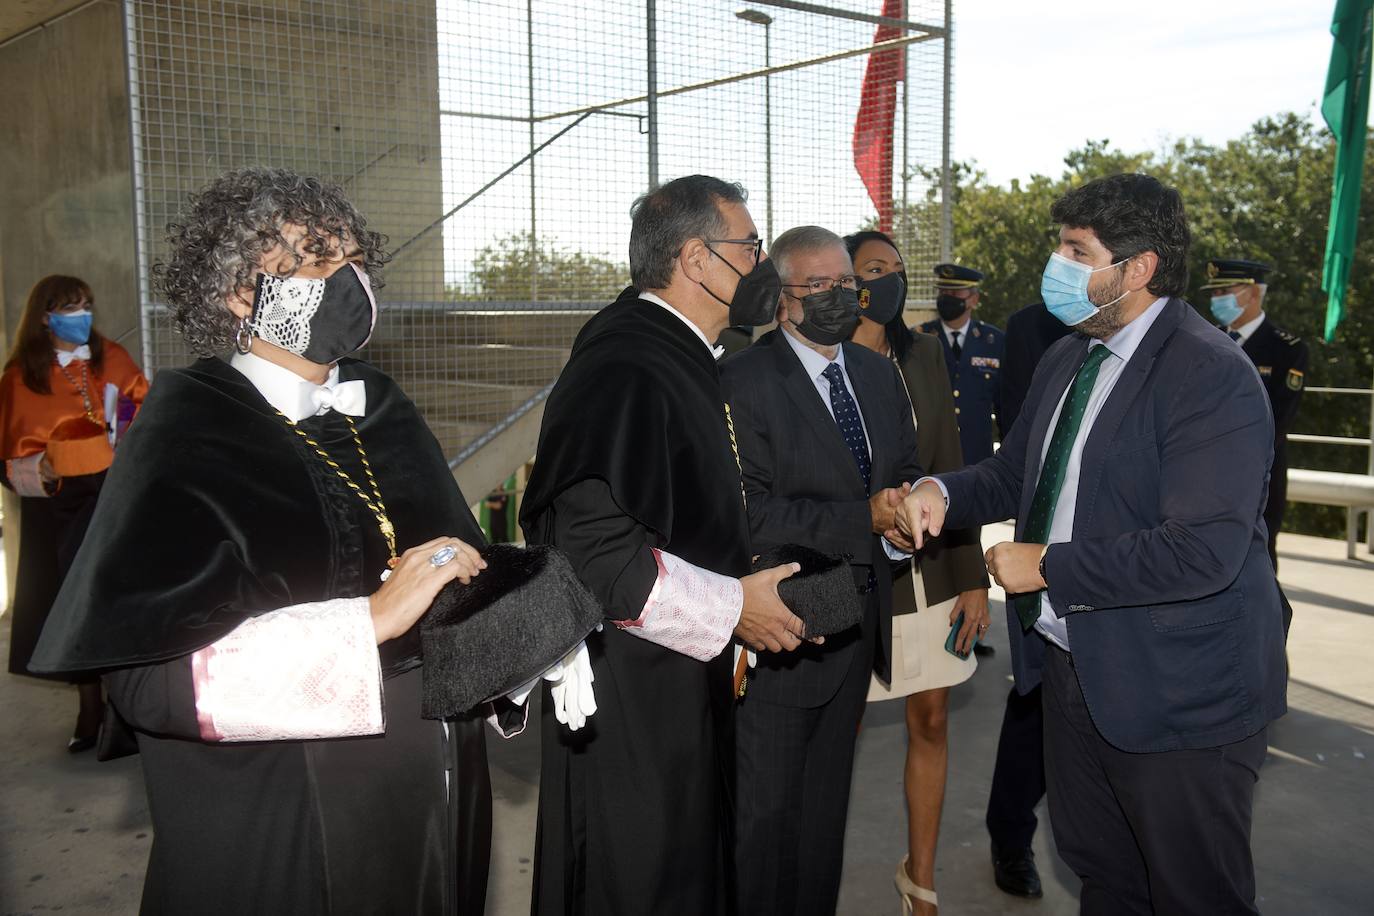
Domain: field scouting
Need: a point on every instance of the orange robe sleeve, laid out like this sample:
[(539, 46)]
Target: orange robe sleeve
[(27, 418)]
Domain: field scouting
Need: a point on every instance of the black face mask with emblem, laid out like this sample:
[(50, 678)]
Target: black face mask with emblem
[(881, 299)]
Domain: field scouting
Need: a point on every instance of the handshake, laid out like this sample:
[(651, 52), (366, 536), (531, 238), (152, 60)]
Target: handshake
[(905, 517)]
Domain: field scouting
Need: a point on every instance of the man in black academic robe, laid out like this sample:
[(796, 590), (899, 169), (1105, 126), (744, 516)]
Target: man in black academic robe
[(637, 481)]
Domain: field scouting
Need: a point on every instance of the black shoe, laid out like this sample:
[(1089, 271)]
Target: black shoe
[(1014, 871), (983, 650), (79, 744)]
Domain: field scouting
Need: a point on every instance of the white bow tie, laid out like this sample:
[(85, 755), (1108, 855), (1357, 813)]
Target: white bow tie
[(65, 357), (345, 397)]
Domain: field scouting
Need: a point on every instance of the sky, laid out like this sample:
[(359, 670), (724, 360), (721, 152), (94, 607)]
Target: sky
[(1034, 79)]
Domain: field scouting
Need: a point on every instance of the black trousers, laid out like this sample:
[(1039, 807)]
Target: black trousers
[(1018, 779), (793, 769), (1165, 833)]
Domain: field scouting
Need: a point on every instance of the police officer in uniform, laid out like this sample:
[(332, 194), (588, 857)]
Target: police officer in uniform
[(973, 352), (1237, 287)]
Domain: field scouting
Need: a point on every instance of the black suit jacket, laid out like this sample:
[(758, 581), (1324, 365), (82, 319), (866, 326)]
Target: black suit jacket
[(1030, 332), (803, 487), (1281, 360), (953, 562), (1166, 587)]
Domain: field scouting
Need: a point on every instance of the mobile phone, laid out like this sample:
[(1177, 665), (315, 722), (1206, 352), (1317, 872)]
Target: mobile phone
[(952, 640)]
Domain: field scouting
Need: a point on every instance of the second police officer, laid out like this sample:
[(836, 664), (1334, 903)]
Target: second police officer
[(973, 352), (1238, 287)]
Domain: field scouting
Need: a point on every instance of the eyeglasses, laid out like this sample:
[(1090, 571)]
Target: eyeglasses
[(825, 284), (756, 244)]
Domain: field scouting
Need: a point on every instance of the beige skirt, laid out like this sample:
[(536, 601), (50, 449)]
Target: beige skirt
[(919, 659)]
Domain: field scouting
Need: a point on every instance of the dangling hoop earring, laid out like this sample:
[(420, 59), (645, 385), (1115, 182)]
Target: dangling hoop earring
[(243, 337)]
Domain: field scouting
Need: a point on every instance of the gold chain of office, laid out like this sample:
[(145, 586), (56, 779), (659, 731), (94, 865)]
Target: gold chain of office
[(84, 389), (373, 502)]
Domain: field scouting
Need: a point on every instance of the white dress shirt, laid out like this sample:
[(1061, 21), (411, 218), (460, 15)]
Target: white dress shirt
[(1249, 328), (716, 352), (296, 397), (1123, 345), (962, 332)]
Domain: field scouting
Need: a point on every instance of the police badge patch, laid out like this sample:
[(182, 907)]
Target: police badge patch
[(1294, 380)]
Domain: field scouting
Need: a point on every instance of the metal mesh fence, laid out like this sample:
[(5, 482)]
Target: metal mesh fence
[(499, 145)]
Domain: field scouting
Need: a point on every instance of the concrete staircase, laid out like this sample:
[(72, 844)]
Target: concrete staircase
[(469, 366)]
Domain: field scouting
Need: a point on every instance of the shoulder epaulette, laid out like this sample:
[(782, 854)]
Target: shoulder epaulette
[(1287, 337)]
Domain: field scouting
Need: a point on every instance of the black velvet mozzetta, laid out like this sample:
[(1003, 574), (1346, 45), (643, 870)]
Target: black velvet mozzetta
[(822, 594), (524, 612)]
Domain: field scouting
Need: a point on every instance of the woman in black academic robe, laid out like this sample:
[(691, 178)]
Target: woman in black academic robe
[(230, 588)]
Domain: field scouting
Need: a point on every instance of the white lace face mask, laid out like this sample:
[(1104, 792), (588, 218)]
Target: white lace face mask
[(320, 320)]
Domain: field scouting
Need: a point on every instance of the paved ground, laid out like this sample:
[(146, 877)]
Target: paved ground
[(76, 833)]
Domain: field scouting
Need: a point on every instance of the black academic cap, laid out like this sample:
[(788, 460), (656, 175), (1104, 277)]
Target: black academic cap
[(1222, 272), (521, 615), (822, 593), (956, 276)]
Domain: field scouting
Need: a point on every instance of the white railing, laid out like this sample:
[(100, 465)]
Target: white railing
[(1353, 492)]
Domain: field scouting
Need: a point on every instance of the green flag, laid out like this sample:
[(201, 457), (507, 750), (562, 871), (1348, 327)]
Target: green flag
[(1345, 107)]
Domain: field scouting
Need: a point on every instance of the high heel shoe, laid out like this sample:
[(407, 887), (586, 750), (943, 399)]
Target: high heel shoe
[(910, 891)]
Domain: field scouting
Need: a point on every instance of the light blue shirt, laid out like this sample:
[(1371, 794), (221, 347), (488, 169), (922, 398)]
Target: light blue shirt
[(815, 365), (1123, 345)]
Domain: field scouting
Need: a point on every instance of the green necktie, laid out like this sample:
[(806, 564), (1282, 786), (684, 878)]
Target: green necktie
[(1037, 529)]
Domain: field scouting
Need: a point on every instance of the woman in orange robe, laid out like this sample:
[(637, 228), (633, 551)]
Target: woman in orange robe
[(64, 393)]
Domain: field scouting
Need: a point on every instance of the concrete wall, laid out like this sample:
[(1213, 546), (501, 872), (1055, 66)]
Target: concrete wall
[(66, 199), (66, 203)]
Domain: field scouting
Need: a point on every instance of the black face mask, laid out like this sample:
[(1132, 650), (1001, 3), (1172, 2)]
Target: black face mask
[(320, 320), (951, 308), (755, 301), (829, 318), (885, 296)]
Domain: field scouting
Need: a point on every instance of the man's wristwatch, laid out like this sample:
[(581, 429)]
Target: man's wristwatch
[(1041, 567)]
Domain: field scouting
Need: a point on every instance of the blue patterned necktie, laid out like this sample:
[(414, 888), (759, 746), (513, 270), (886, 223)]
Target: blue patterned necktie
[(848, 420), (1234, 335), (1052, 472)]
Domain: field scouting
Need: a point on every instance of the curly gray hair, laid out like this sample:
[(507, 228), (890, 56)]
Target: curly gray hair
[(218, 241)]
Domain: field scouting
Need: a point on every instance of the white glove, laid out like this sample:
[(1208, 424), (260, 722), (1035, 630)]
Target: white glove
[(573, 699)]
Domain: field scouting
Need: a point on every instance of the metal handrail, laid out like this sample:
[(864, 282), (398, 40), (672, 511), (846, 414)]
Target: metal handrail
[(1344, 440)]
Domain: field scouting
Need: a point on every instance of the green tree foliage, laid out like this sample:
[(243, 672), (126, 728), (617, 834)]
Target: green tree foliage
[(516, 268), (1264, 196)]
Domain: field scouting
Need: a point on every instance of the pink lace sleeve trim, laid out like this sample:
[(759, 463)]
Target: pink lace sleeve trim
[(24, 476), (690, 610), (305, 671)]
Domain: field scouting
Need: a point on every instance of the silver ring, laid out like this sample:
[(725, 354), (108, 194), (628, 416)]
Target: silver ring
[(982, 626), (443, 556)]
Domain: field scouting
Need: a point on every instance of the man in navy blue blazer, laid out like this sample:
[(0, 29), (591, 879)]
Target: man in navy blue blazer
[(1139, 586)]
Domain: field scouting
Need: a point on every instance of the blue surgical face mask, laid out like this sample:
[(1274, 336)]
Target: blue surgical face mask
[(1064, 288), (73, 327), (1225, 309)]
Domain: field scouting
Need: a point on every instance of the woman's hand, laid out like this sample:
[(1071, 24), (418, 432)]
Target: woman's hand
[(413, 584), (973, 604)]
